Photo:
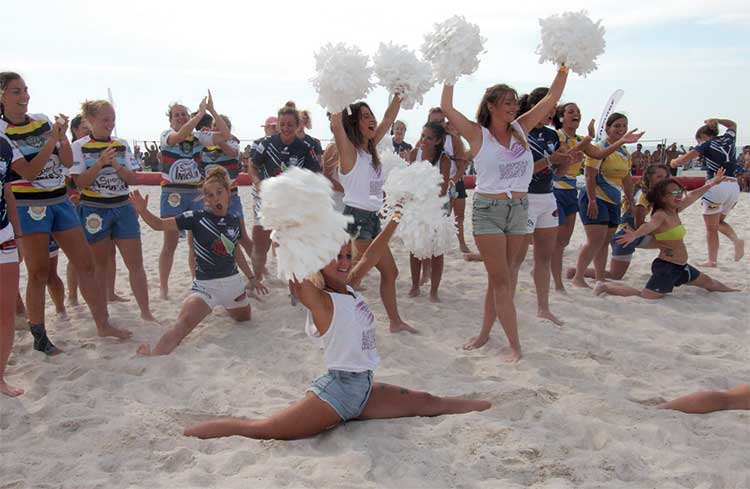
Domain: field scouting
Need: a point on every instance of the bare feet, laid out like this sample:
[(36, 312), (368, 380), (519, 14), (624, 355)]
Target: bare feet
[(402, 326), (550, 316), (464, 248), (570, 273), (147, 316), (708, 264), (164, 294), (73, 301), (144, 350), (9, 390), (110, 330), (424, 280), (600, 288), (739, 249), (580, 283), (513, 356), (472, 257), (116, 298), (561, 290), (414, 292), (476, 342), (434, 297)]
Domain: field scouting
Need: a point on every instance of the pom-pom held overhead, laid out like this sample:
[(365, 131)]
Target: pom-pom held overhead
[(572, 39), (343, 76), (425, 229), (389, 160), (298, 208), (453, 49), (400, 72)]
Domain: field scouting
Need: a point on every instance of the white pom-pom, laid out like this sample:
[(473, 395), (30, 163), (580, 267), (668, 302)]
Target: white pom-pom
[(298, 208), (400, 71), (572, 39), (343, 76), (453, 49), (424, 228), (389, 160)]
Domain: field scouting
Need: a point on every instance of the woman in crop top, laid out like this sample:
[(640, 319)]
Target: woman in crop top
[(357, 134), (717, 152), (607, 170), (670, 269), (504, 166), (340, 321)]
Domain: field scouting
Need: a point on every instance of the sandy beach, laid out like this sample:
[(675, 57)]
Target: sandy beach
[(576, 412)]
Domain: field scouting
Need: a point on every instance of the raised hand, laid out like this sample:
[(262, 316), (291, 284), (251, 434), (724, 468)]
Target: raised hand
[(632, 136), (107, 156), (719, 177), (626, 238), (60, 126), (202, 106), (210, 103), (592, 129), (139, 202)]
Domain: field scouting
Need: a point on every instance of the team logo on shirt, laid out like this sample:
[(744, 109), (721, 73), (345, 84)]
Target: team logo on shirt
[(37, 213), (174, 199), (94, 223), (223, 246), (184, 170)]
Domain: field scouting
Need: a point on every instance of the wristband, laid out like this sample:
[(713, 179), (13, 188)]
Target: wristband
[(396, 216)]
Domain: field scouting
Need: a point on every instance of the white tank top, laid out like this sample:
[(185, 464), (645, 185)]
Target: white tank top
[(349, 342), (363, 185), (448, 150), (500, 169)]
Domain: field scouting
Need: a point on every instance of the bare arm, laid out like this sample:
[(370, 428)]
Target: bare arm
[(466, 128), (347, 151), (388, 118), (317, 302), (601, 154), (627, 186), (221, 125), (29, 170), (330, 165), (640, 216), (696, 194), (239, 258), (189, 126), (682, 159), (140, 204), (10, 204), (537, 113), (445, 171), (724, 122), (657, 219), (373, 253)]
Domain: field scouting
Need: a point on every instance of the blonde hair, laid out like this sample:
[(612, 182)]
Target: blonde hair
[(317, 280), (306, 113), (91, 108), (288, 110), (218, 174), (172, 106), (492, 95)]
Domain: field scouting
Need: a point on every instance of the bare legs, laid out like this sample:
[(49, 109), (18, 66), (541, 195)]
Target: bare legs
[(8, 291), (132, 255), (436, 275), (459, 209), (710, 401), (596, 248), (715, 224), (703, 281), (193, 311), (311, 415), (564, 232), (261, 245), (166, 258)]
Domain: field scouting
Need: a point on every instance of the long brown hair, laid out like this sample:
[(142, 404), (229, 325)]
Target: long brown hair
[(351, 126), (645, 183), (492, 95), (656, 195)]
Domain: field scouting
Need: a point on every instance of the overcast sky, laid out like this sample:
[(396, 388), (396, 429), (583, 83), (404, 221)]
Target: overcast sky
[(677, 64)]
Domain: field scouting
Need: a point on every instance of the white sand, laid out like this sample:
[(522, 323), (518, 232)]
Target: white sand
[(574, 413)]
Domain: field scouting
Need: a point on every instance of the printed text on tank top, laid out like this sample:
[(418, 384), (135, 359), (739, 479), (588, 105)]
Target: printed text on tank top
[(503, 171)]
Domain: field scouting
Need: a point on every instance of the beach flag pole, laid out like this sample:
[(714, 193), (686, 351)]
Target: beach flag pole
[(609, 108)]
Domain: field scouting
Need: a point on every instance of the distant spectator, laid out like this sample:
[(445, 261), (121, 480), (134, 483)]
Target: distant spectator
[(398, 131), (658, 156), (270, 126), (743, 169), (639, 162), (305, 122)]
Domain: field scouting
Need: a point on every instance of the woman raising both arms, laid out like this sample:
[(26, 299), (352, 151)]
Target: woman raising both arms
[(341, 319), (504, 165)]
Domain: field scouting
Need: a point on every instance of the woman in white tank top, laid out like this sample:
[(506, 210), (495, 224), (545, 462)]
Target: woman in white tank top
[(430, 148), (357, 134), (504, 166), (341, 320)]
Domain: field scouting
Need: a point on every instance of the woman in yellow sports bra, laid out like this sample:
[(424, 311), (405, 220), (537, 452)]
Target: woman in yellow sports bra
[(670, 269)]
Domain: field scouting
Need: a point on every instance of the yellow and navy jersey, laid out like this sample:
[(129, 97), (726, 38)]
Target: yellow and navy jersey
[(640, 200), (108, 185), (181, 161), (568, 181), (29, 138), (612, 171), (215, 156)]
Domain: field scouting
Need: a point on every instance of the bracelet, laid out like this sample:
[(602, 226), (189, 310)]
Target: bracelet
[(396, 216)]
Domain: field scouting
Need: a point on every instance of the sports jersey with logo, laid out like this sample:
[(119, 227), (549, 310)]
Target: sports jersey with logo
[(568, 180), (272, 157), (215, 156), (543, 142), (315, 144), (612, 171), (108, 188), (402, 146), (181, 161), (720, 152), (29, 138), (214, 240), (8, 154)]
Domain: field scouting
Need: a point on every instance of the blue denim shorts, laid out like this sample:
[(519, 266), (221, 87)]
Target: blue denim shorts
[(175, 203), (346, 392), (115, 223), (366, 225)]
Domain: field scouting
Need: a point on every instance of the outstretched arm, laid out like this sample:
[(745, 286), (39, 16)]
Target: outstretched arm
[(388, 118), (537, 113), (682, 159), (346, 149), (696, 194), (471, 131), (599, 154), (375, 251), (156, 223)]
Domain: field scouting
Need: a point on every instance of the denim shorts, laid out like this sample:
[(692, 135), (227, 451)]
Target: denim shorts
[(48, 218), (174, 203), (115, 223), (366, 225), (346, 392), (499, 216)]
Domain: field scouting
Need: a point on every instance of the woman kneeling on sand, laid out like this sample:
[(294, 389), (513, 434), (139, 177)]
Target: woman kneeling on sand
[(215, 234), (341, 319), (670, 269)]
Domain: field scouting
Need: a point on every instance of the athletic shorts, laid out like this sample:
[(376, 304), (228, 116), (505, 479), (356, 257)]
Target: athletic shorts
[(366, 225), (48, 218), (460, 189), (665, 276), (113, 223), (8, 252), (609, 214), (235, 206), (174, 203), (346, 392), (722, 198), (542, 212), (227, 292), (567, 202), (499, 216)]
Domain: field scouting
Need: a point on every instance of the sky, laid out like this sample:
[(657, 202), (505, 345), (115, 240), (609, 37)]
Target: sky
[(677, 62)]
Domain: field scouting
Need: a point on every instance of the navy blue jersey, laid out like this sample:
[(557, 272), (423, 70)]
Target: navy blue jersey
[(214, 240), (315, 144), (272, 157), (543, 141), (8, 154), (402, 146), (719, 152)]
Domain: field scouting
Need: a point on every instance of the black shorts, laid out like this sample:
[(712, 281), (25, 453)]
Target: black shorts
[(460, 189), (665, 276), (366, 225)]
